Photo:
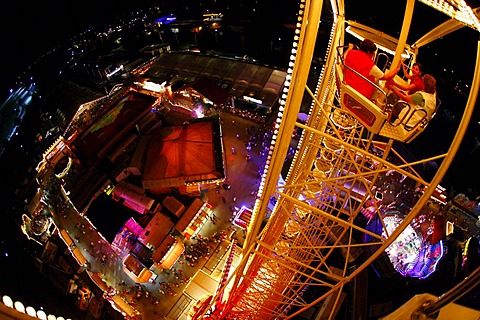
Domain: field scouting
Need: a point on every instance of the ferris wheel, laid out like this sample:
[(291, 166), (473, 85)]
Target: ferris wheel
[(350, 196)]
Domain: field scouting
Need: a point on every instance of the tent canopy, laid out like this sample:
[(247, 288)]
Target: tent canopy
[(181, 154)]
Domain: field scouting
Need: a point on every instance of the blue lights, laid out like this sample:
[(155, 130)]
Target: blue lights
[(166, 19)]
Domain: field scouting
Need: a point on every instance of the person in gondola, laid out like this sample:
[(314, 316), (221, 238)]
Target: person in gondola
[(415, 83), (425, 99), (471, 261), (471, 256), (415, 77), (360, 64)]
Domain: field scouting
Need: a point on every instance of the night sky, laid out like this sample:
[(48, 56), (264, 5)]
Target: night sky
[(30, 29)]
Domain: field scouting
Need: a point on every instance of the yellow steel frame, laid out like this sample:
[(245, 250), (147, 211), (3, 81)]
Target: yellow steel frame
[(314, 219)]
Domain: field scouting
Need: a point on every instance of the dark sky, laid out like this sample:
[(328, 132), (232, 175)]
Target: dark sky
[(29, 29)]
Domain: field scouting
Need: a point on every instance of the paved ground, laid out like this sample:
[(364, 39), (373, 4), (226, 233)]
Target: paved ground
[(152, 299), (242, 175), (243, 178)]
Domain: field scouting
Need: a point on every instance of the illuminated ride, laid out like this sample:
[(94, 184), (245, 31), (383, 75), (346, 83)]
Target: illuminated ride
[(337, 184)]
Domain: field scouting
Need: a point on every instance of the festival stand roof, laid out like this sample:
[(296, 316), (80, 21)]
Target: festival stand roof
[(156, 231), (184, 154), (189, 214), (241, 78), (209, 89), (112, 126)]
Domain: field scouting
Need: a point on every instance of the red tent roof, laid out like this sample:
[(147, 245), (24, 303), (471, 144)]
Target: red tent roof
[(181, 154)]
